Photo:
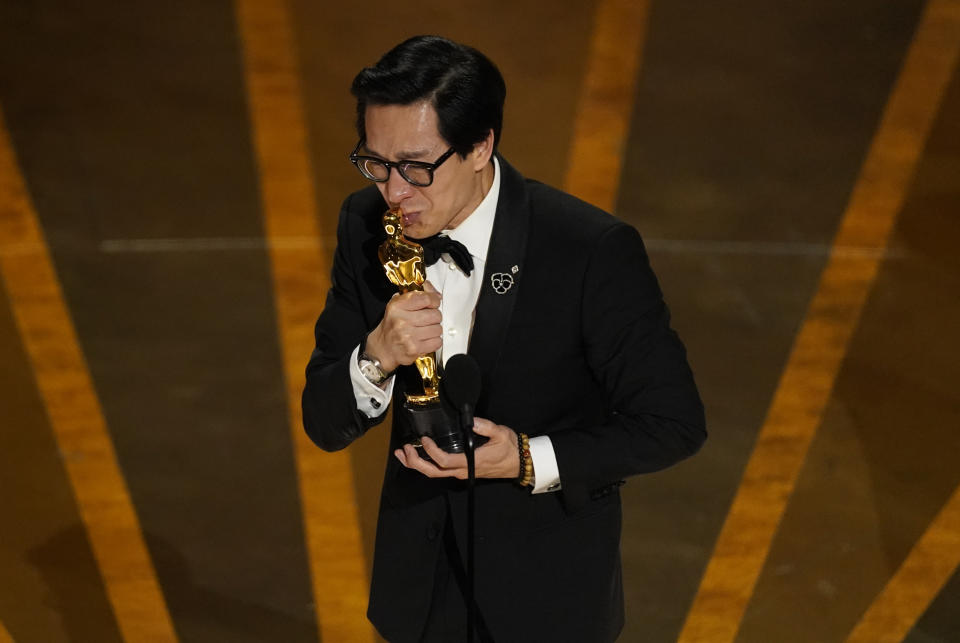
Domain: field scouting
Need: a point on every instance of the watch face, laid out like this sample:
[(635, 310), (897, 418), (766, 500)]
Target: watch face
[(371, 371)]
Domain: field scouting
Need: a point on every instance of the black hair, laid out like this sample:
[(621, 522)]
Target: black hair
[(464, 87)]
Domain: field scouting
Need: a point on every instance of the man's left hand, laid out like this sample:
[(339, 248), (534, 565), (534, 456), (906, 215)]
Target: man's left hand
[(498, 458)]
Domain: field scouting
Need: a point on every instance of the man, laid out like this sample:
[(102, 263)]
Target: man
[(557, 303)]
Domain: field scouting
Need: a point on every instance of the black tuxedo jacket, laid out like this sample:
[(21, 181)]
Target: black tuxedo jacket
[(578, 348)]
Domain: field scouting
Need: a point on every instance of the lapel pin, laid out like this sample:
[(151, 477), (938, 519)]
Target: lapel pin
[(501, 282), (515, 269)]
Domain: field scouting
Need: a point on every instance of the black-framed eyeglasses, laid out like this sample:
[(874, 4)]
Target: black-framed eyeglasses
[(418, 173)]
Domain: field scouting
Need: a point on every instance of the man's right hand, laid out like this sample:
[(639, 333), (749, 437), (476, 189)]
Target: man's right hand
[(410, 328)]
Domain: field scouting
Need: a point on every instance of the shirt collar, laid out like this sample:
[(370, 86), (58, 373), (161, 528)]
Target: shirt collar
[(476, 229)]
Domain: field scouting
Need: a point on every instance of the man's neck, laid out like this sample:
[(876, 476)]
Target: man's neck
[(484, 181)]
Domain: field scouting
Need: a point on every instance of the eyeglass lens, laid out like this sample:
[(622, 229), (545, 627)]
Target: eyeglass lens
[(378, 171)]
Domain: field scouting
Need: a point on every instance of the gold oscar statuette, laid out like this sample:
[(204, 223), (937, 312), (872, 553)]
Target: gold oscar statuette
[(424, 414), (402, 260)]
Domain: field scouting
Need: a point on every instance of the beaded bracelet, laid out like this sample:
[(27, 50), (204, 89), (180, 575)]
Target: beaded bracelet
[(526, 463)]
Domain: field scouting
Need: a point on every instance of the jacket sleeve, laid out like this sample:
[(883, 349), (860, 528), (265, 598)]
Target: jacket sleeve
[(330, 414), (654, 415)]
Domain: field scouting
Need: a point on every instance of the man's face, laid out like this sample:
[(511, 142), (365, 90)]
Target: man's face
[(410, 133)]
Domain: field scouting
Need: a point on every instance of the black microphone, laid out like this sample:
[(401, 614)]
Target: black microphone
[(460, 385)]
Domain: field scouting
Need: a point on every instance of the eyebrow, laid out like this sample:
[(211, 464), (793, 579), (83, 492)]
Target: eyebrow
[(404, 155)]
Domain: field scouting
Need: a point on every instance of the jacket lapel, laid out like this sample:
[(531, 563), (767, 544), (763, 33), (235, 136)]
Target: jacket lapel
[(503, 274)]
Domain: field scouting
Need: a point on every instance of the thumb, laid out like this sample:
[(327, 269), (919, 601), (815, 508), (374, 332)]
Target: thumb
[(484, 427), (428, 287)]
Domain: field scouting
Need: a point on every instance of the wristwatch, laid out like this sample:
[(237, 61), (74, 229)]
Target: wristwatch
[(370, 366)]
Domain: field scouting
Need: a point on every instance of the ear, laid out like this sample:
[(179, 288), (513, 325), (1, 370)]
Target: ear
[(482, 152)]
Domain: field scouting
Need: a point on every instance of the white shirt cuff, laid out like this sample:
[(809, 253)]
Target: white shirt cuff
[(372, 400), (545, 471)]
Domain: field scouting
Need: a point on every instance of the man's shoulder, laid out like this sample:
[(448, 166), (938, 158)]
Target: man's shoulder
[(364, 201), (567, 214), (361, 212), (557, 209)]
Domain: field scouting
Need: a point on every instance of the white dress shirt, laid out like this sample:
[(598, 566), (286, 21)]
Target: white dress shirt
[(459, 301)]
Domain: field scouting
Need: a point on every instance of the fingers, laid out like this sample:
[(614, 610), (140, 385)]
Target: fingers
[(498, 458), (428, 287), (444, 465), (411, 327), (426, 317), (444, 460), (418, 299), (412, 342)]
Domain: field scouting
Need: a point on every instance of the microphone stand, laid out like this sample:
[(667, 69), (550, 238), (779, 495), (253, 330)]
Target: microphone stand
[(466, 423), (461, 386)]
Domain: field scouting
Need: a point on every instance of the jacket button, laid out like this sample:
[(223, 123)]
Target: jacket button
[(433, 531)]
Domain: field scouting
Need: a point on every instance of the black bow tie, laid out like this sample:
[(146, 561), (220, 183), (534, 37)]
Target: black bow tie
[(437, 245)]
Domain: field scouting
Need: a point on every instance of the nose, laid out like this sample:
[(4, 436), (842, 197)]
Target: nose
[(397, 189)]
